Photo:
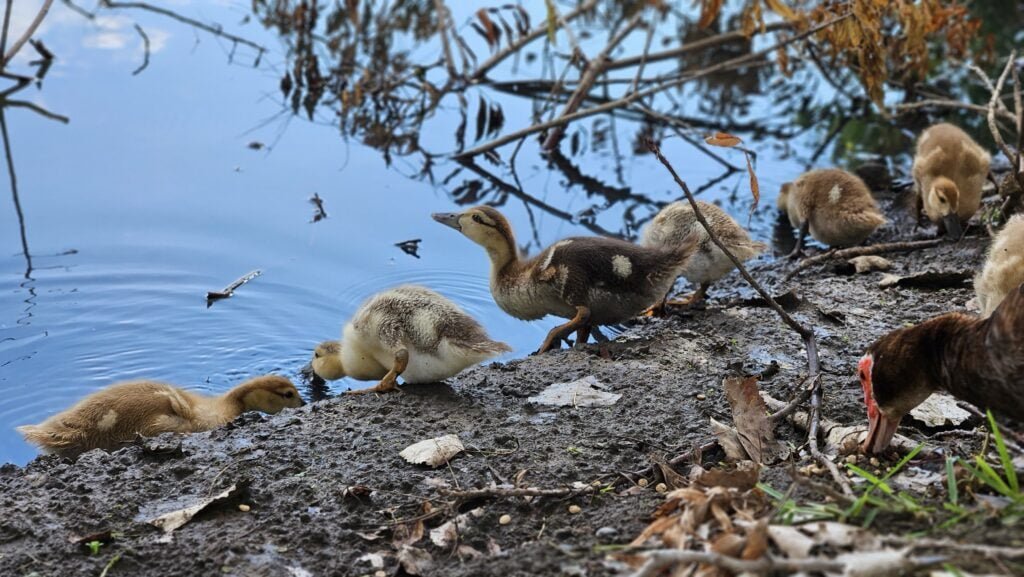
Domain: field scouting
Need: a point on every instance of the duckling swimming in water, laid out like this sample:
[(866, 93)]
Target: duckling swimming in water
[(1004, 266), (109, 418), (676, 222), (834, 206), (409, 331), (591, 280), (949, 170)]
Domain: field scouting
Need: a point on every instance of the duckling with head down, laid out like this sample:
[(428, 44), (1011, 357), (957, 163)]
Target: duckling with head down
[(949, 172), (109, 418), (409, 331), (677, 221), (1004, 266), (591, 280), (834, 206)]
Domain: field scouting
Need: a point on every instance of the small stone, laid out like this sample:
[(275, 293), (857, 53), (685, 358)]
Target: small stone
[(874, 461), (596, 484), (701, 396), (575, 509), (244, 508), (851, 459), (642, 482), (607, 533), (528, 498), (661, 488), (380, 574), (505, 519)]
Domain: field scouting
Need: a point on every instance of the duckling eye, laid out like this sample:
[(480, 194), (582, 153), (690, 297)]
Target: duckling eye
[(289, 394), (316, 354), (477, 219), (942, 200)]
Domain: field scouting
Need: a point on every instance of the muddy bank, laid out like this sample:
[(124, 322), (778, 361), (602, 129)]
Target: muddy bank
[(326, 492)]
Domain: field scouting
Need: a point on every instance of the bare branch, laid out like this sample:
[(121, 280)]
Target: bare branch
[(695, 46), (509, 492), (658, 560), (953, 104), (442, 30), (145, 46), (845, 253), (13, 50)]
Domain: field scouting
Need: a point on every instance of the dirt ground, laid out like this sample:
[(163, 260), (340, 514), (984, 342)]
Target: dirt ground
[(325, 485)]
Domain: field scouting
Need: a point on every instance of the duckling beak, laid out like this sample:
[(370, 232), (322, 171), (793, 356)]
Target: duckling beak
[(881, 430), (448, 219), (953, 228)]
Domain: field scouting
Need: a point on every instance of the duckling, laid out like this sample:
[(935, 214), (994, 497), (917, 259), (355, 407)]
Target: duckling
[(677, 221), (591, 280), (949, 171), (113, 416), (978, 360), (409, 331), (836, 207), (1004, 266)]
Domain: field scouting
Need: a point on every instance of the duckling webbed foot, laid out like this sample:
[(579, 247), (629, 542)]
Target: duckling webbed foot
[(555, 335), (693, 299), (656, 310), (390, 381), (798, 250)]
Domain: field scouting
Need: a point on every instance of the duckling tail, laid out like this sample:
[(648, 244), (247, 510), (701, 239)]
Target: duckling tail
[(44, 437), (488, 347)]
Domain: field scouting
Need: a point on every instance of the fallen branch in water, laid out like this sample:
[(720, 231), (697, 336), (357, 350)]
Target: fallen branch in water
[(903, 246), (806, 334), (230, 289)]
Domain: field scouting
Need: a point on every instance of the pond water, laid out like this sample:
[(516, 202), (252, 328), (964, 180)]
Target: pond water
[(151, 196)]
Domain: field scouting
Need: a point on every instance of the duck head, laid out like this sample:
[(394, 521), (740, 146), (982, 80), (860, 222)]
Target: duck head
[(893, 385), (269, 394), (485, 226), (943, 200), (326, 362)]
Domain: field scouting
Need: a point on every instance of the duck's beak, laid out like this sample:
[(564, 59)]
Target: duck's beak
[(881, 430), (953, 228), (448, 219)]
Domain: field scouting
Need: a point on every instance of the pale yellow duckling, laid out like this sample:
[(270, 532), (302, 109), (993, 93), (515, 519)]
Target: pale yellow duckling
[(1004, 266), (591, 280), (834, 206), (676, 222), (409, 331), (109, 418), (949, 172)]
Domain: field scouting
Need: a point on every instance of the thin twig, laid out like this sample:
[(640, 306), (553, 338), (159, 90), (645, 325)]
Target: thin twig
[(442, 30), (14, 193), (594, 68), (954, 104), (145, 47), (903, 246), (696, 45), (13, 50), (6, 26), (470, 494), (37, 109), (514, 47), (928, 543), (993, 101), (793, 405), (634, 96), (660, 559)]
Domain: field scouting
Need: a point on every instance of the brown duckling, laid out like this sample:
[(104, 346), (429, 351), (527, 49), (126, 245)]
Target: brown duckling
[(978, 360), (949, 172), (409, 331), (834, 206), (1004, 266), (591, 280), (111, 417), (676, 222)]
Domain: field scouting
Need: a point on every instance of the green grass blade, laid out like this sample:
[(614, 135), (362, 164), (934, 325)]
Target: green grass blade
[(1004, 455), (991, 478), (954, 493)]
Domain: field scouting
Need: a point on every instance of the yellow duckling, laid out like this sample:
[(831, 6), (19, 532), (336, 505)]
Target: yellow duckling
[(834, 206), (113, 416), (949, 171), (676, 222), (409, 331), (1004, 266), (591, 280)]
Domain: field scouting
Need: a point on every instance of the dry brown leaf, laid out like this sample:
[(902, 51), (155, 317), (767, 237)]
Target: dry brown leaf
[(723, 139), (171, 521), (407, 533), (434, 452), (491, 32), (755, 189), (757, 541), (709, 10), (729, 544), (750, 415), (743, 477), (414, 561), (729, 440), (778, 7), (672, 478)]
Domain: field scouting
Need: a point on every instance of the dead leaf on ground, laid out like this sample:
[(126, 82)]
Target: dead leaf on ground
[(447, 533), (407, 533), (729, 440), (585, 392), (171, 521), (940, 410), (434, 452), (414, 561), (672, 478), (743, 477), (750, 416), (723, 139), (376, 560)]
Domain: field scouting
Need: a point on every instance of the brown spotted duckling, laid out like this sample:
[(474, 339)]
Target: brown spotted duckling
[(409, 331), (1004, 266), (978, 360), (592, 281), (676, 222), (834, 206), (109, 418), (949, 172)]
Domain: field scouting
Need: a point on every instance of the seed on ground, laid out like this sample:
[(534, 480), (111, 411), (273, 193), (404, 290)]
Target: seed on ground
[(701, 396), (504, 519), (874, 462), (661, 488), (380, 574), (851, 459), (642, 482), (575, 509), (244, 508)]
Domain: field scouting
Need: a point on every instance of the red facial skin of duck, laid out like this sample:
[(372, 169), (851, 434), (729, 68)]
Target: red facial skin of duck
[(881, 428)]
